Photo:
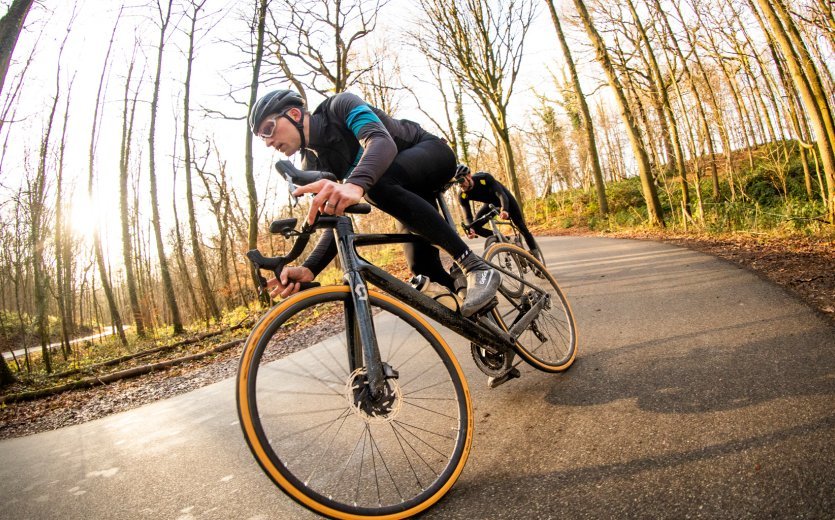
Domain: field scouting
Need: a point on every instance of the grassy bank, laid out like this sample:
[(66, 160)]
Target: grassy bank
[(771, 199)]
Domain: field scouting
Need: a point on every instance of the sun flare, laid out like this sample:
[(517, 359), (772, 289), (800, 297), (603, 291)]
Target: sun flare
[(85, 217)]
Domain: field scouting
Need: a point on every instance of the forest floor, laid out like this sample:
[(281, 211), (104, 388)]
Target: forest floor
[(804, 267)]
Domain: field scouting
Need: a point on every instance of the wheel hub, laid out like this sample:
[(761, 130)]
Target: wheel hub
[(383, 408)]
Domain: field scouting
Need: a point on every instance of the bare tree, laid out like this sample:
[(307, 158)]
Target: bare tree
[(480, 43), (654, 210), (199, 261), (314, 42), (453, 125), (252, 191), (63, 296), (10, 26), (37, 191), (808, 84), (99, 252), (585, 115), (551, 150), (124, 160), (165, 273), (380, 86), (217, 193)]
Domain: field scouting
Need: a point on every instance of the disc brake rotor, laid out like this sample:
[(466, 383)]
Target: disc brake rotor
[(380, 410)]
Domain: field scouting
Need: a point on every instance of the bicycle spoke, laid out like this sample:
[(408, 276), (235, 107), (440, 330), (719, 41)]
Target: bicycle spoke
[(548, 342), (406, 428), (343, 448), (430, 410)]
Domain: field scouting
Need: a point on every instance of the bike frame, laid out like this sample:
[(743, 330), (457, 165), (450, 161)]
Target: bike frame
[(362, 340), (359, 272)]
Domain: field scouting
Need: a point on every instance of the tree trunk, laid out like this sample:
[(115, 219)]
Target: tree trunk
[(199, 262), (127, 244), (740, 109), (791, 105), (105, 282), (461, 141), (252, 191), (509, 161), (654, 210), (588, 126), (724, 134), (181, 263), (165, 273), (37, 205), (10, 26), (60, 250), (813, 98), (666, 115)]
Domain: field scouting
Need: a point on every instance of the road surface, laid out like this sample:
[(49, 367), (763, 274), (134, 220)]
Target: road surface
[(700, 391), (55, 346)]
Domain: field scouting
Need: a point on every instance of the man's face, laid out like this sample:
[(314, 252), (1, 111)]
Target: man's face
[(279, 133), (467, 182)]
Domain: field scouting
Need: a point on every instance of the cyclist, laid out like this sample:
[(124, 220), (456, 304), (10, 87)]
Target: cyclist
[(483, 187), (395, 164)]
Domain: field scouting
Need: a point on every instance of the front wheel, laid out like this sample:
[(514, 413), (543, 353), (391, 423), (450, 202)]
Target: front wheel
[(317, 433), (549, 342)]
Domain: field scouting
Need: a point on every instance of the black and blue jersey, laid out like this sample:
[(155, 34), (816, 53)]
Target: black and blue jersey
[(354, 141)]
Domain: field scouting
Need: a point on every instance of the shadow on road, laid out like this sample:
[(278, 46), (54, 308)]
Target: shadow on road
[(681, 374)]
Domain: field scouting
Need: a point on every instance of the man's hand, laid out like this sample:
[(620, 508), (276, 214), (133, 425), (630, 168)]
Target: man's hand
[(471, 233), (331, 198), (289, 281), (504, 215)]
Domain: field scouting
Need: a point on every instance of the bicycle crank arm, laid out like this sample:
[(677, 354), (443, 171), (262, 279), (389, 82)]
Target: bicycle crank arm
[(501, 340)]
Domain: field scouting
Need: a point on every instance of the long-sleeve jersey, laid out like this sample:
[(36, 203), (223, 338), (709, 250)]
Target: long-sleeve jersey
[(354, 141), (485, 189), (357, 143)]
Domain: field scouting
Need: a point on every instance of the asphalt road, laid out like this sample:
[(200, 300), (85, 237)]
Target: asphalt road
[(700, 391), (55, 346)]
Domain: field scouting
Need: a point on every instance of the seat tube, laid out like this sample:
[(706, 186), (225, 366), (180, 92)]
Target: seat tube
[(360, 314), (496, 232), (445, 210)]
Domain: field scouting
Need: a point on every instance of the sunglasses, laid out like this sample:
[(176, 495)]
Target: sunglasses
[(267, 129)]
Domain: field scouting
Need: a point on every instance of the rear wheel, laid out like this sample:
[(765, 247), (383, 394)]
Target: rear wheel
[(313, 427), (489, 242), (511, 263), (549, 342)]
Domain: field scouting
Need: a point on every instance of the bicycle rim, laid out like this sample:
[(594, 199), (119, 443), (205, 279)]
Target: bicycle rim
[(325, 446), (510, 262), (549, 343)]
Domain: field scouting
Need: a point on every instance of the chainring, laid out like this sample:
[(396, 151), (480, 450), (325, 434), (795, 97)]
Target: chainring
[(492, 364)]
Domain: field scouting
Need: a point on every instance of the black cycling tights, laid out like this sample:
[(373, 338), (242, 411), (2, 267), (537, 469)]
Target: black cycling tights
[(408, 192), (515, 214)]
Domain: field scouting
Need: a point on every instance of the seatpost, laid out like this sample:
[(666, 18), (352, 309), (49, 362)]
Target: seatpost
[(445, 210)]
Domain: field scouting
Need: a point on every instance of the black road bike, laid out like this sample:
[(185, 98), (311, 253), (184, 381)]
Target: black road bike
[(374, 419)]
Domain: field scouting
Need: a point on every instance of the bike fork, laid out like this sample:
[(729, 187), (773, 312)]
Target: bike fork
[(362, 339), (363, 350)]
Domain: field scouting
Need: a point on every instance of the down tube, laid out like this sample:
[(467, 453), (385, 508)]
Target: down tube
[(473, 331)]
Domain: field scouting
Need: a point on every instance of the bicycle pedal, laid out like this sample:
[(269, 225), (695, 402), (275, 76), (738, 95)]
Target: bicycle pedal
[(513, 373), (489, 306), (484, 311)]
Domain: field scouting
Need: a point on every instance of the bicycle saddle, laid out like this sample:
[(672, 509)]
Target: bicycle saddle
[(301, 177)]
